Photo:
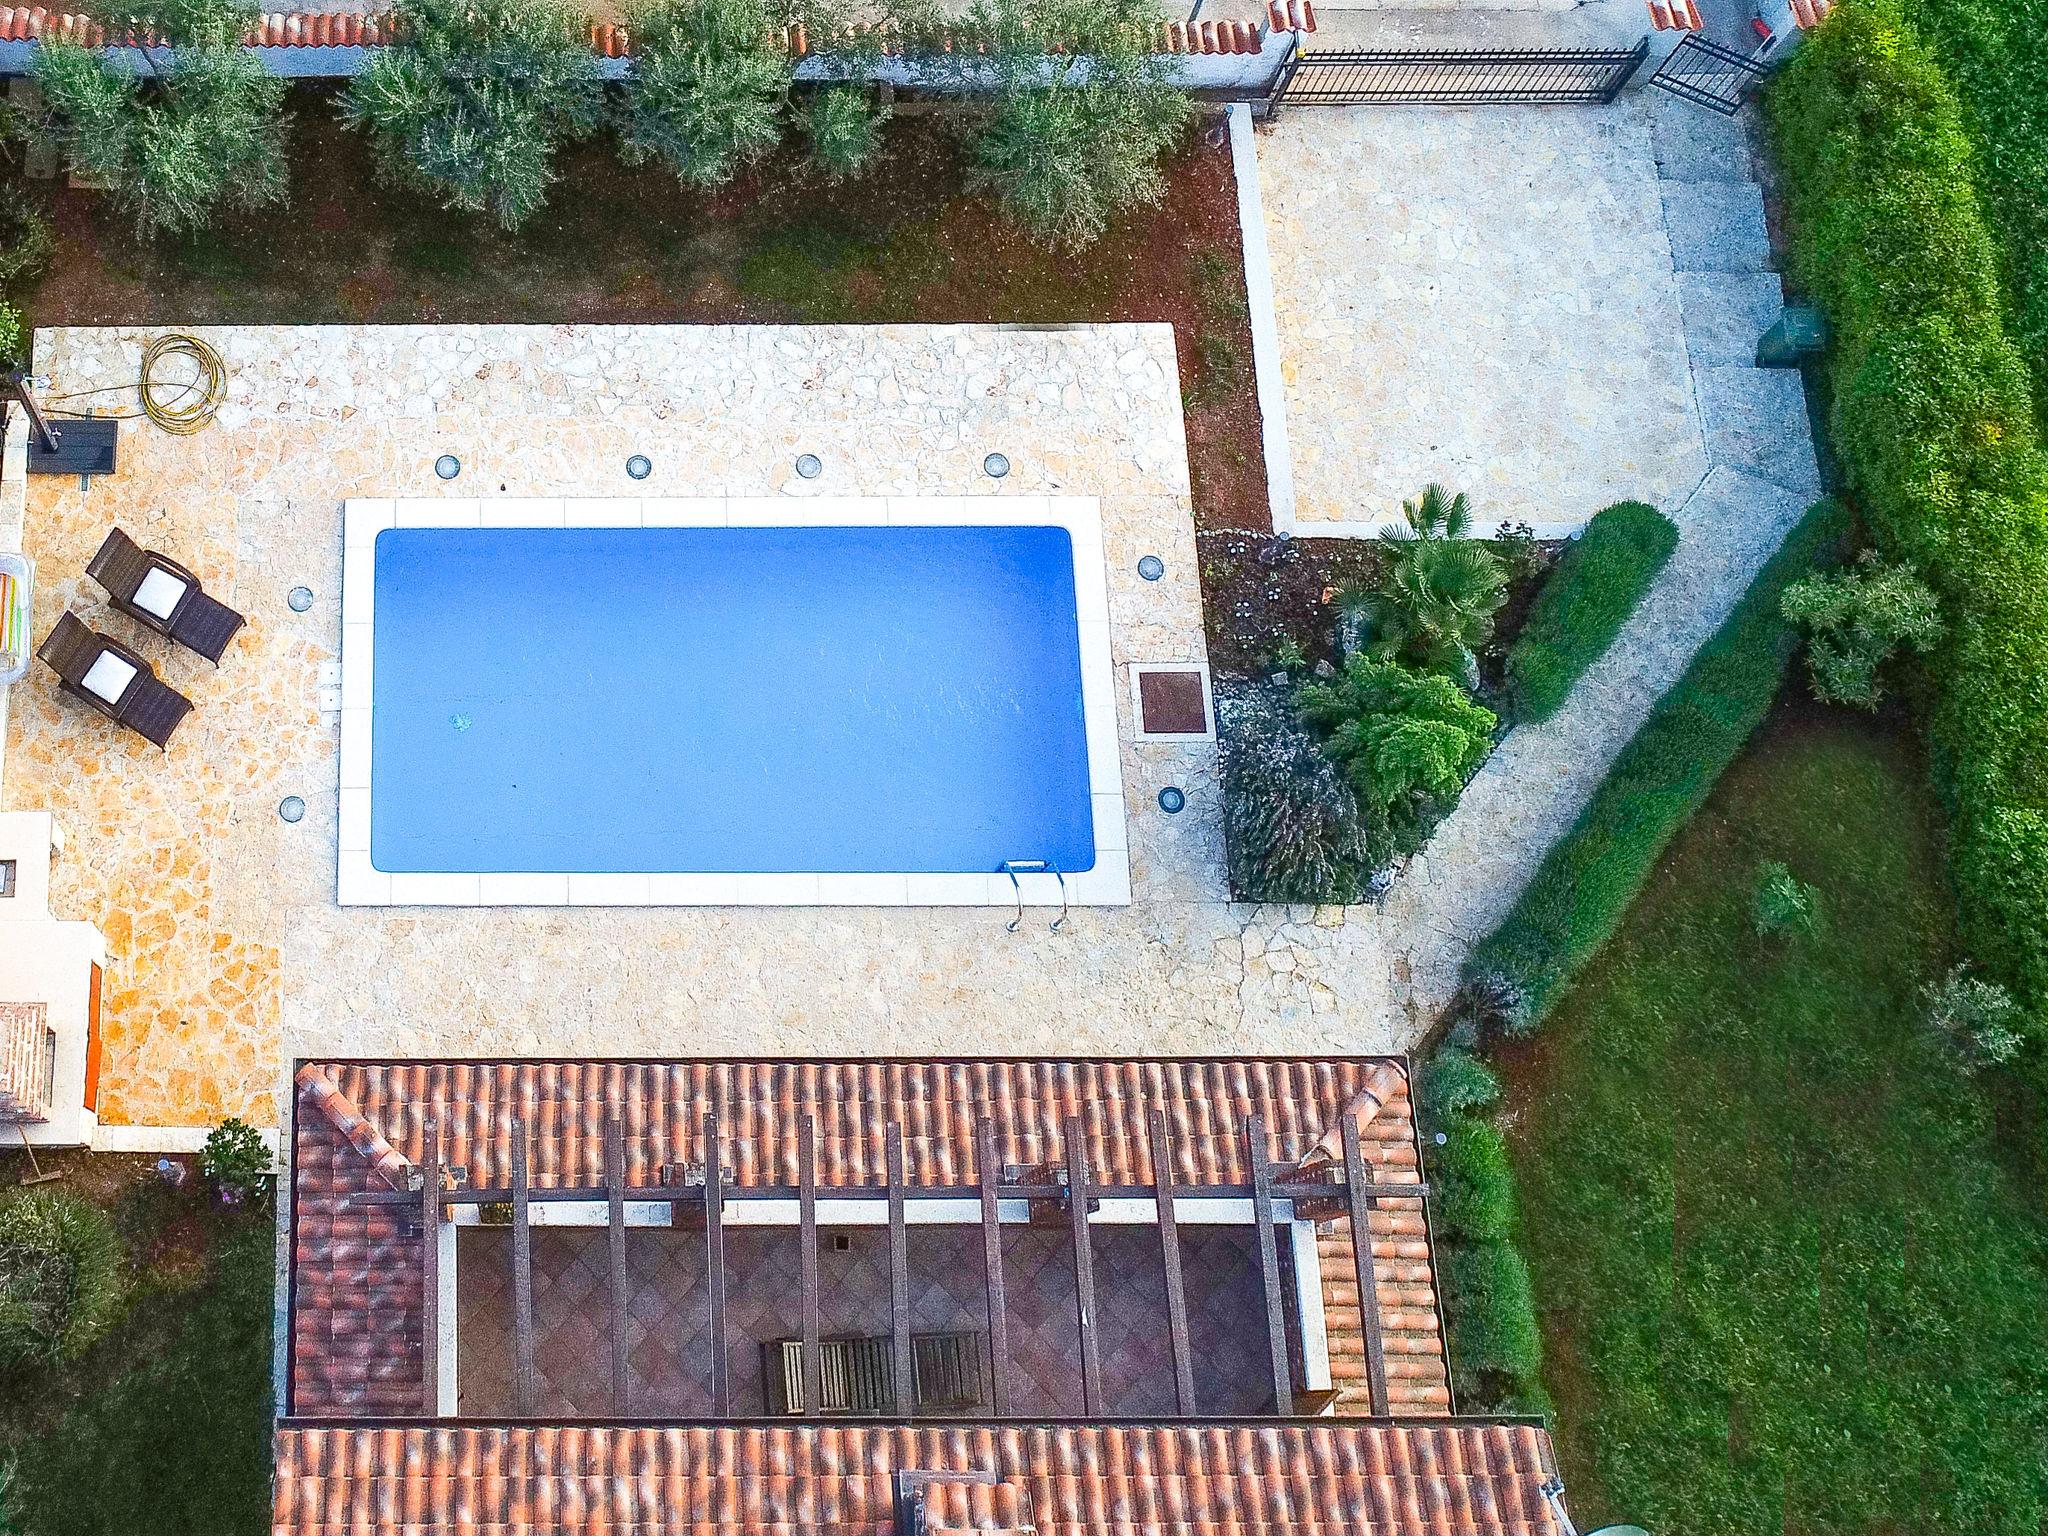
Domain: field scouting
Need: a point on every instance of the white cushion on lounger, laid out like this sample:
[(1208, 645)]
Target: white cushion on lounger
[(108, 676), (159, 593)]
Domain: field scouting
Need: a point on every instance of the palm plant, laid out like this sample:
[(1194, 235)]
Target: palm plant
[(1435, 603), (1436, 514)]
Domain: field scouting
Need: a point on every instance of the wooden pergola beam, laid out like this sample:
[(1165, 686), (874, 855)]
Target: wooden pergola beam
[(1360, 1204), (430, 1287), (991, 1175), (902, 1369), (1269, 1262), (615, 1244), (1084, 1265), (523, 1379), (807, 1258), (1169, 1261), (671, 1194), (714, 1266)]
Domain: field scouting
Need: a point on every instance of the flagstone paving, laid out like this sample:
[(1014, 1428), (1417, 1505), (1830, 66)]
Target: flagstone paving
[(227, 953)]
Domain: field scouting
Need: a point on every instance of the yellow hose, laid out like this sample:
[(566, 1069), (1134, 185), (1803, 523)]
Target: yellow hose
[(198, 397)]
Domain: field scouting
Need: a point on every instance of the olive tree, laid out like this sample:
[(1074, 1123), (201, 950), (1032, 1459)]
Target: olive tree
[(707, 86), (845, 132), (1072, 138), (474, 98), (197, 127)]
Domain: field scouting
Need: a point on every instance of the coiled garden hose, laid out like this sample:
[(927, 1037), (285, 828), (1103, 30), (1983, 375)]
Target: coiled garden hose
[(181, 406)]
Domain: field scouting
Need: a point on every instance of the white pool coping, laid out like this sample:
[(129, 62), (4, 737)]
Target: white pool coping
[(359, 884)]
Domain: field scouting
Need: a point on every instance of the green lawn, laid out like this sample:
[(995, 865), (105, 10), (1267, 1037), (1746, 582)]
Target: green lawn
[(163, 1428), (1786, 1286)]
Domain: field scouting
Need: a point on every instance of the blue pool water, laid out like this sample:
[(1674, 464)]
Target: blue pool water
[(721, 700)]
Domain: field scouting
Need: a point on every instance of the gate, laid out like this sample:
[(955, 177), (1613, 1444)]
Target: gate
[(1709, 75), (1457, 77)]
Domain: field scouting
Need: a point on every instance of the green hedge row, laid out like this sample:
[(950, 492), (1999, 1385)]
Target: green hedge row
[(1495, 1345), (1935, 427), (1583, 605), (1592, 874), (1997, 55)]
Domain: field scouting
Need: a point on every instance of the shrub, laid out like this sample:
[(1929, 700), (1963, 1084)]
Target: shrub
[(1855, 619), (1935, 429), (1783, 904), (59, 1276), (1406, 740), (26, 244), (1455, 1082), (235, 1162), (1291, 822), (1436, 599), (845, 134), (205, 130), (706, 88), (1590, 876), (1581, 608), (473, 99), (1495, 1346), (1978, 1018), (1475, 1187), (13, 343), (1067, 148)]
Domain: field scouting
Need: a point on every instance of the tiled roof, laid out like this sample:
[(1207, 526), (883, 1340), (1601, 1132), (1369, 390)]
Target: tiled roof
[(355, 1338), (1318, 1478)]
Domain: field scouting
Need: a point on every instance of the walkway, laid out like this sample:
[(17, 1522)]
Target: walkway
[(1761, 477)]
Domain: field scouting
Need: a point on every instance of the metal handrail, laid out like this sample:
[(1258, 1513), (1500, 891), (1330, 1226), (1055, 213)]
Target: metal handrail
[(1014, 867)]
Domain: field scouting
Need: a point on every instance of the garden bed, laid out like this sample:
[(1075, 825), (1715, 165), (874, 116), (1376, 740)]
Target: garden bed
[(163, 1425), (907, 243)]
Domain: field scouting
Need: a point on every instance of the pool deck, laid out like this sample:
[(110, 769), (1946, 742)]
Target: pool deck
[(227, 952)]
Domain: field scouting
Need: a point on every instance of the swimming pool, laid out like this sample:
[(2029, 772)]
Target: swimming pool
[(883, 703)]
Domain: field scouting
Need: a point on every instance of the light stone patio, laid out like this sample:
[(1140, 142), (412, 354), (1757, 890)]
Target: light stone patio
[(227, 953), (1482, 297)]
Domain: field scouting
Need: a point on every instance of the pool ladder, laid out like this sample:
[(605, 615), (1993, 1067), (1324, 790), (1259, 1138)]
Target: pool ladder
[(1015, 867)]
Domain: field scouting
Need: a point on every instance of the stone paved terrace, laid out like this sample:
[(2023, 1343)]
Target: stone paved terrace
[(227, 952), (1482, 296)]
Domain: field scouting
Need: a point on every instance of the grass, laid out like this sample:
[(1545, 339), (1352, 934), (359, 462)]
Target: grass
[(1785, 1285), (164, 1427)]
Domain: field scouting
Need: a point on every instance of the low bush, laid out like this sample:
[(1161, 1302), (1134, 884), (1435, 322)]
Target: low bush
[(60, 1282), (235, 1162), (1407, 741), (1456, 1083), (1589, 596), (1475, 1192), (1292, 825), (1854, 620), (472, 101), (1495, 1347), (844, 130), (1783, 904), (1585, 884), (1935, 428)]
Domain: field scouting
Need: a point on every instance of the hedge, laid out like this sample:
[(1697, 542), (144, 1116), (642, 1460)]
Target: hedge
[(1586, 883), (1583, 605), (1935, 428)]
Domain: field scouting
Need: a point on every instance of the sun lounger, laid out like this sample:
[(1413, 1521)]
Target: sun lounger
[(114, 680), (160, 594)]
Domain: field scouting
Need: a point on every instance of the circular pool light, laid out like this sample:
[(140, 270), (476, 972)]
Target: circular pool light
[(1151, 567), (291, 808), (809, 465), (1172, 800), (995, 466), (447, 466), (639, 466), (300, 599)]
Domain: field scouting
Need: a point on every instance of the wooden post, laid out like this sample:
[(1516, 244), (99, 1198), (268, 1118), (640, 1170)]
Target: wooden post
[(903, 1369), (807, 1259), (615, 1234), (524, 1391), (430, 1289), (714, 1266), (1269, 1263), (1169, 1259), (991, 1174), (1362, 1263), (1084, 1265)]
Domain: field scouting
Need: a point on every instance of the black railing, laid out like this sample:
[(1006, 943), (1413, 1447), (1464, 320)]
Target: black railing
[(1457, 77), (1709, 75)]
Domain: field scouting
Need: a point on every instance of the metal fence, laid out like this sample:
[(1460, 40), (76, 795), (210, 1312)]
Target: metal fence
[(1709, 75), (1457, 77)]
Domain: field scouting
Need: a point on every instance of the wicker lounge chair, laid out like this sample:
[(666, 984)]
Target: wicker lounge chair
[(114, 680), (160, 594)]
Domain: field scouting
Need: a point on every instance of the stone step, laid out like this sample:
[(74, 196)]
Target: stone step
[(1755, 420), (1692, 144), (1724, 313), (1716, 226)]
